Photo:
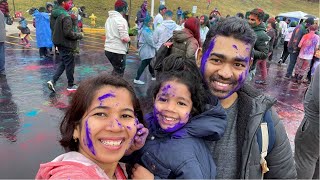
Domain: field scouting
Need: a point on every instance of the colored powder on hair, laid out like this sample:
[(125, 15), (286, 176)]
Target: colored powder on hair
[(88, 139), (206, 56)]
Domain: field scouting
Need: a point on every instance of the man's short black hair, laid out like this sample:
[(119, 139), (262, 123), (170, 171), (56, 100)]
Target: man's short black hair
[(284, 18), (231, 27), (61, 1), (259, 13)]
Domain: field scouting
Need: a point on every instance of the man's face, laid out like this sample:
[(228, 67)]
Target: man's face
[(253, 20), (225, 65), (201, 20), (163, 11)]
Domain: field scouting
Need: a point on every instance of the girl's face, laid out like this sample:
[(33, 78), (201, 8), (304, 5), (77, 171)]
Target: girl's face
[(172, 106), (108, 127)]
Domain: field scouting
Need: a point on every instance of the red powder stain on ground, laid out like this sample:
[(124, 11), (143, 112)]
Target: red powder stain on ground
[(32, 67), (38, 139)]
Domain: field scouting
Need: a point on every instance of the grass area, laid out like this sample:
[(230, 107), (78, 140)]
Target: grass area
[(101, 7)]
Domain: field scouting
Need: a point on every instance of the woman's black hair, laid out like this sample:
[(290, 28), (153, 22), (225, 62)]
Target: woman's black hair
[(185, 71), (82, 100)]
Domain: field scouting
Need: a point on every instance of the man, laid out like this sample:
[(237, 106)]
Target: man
[(2, 46), (159, 17), (228, 53), (306, 152), (293, 48), (204, 28), (64, 37), (117, 38), (4, 7), (283, 25), (261, 47), (165, 31)]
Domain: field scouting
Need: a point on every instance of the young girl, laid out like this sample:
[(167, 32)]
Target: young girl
[(97, 130), (182, 117), (25, 31), (147, 50)]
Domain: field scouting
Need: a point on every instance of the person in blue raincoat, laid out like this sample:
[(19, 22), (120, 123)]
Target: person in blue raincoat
[(43, 31)]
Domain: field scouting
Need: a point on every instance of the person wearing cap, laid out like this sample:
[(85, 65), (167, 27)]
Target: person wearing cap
[(159, 17), (293, 48), (117, 37), (261, 47)]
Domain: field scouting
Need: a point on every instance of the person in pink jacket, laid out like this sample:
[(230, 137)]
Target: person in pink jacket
[(99, 128)]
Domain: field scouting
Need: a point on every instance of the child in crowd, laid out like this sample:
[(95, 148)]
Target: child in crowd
[(183, 115), (43, 31), (100, 126), (24, 32)]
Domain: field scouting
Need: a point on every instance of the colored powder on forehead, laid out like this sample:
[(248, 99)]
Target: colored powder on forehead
[(88, 139), (105, 96), (166, 89), (206, 56), (235, 47)]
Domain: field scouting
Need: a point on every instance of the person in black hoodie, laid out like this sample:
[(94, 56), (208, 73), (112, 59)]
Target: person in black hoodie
[(65, 38)]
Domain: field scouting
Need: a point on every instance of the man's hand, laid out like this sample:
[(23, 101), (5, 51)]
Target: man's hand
[(139, 172), (139, 139)]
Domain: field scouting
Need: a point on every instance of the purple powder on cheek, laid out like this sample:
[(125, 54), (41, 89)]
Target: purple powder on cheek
[(105, 96), (175, 127), (136, 121), (119, 124), (88, 139), (129, 127), (234, 46), (206, 56), (241, 80)]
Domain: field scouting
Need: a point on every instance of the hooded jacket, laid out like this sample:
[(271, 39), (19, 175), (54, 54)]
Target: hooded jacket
[(61, 25), (253, 106), (185, 44), (43, 31), (147, 48), (183, 154), (164, 32), (261, 47), (296, 36), (116, 29), (71, 165)]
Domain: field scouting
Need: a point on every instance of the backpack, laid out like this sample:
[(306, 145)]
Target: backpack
[(266, 136), (163, 52)]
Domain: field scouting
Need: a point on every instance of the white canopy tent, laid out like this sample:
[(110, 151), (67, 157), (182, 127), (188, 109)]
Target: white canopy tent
[(297, 14)]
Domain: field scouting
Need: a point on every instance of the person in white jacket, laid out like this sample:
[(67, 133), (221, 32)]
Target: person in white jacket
[(117, 37), (287, 36), (165, 30)]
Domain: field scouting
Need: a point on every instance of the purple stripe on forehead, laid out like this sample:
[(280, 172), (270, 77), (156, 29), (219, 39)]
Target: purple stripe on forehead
[(206, 56), (105, 96)]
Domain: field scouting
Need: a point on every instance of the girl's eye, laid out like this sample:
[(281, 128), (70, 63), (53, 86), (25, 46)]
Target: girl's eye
[(100, 114), (182, 103), (163, 99)]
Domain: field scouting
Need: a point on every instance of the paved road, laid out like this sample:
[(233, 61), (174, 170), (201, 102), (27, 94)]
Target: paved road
[(30, 113)]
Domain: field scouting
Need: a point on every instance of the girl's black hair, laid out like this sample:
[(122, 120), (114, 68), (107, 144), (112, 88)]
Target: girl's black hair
[(177, 68)]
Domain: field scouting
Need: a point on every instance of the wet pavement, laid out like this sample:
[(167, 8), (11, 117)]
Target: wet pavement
[(30, 114)]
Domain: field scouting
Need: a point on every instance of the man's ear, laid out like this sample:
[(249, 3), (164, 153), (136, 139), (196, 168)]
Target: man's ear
[(198, 57)]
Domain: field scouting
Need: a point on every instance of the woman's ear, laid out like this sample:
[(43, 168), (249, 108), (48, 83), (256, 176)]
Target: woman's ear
[(198, 57), (76, 132)]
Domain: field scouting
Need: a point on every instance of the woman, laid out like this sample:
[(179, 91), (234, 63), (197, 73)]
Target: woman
[(97, 130), (147, 50), (186, 42)]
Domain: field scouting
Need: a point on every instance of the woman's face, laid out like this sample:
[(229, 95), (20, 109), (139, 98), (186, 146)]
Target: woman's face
[(108, 127)]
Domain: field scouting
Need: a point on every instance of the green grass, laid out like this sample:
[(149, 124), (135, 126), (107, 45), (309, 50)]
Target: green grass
[(101, 7)]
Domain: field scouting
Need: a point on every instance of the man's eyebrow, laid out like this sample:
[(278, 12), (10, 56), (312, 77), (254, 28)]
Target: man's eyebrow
[(218, 55)]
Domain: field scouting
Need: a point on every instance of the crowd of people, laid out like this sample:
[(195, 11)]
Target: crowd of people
[(207, 122)]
